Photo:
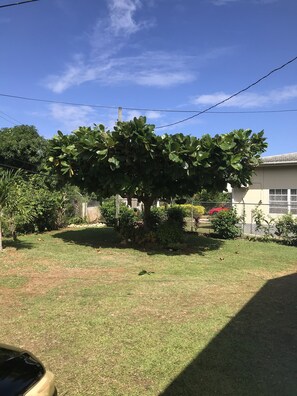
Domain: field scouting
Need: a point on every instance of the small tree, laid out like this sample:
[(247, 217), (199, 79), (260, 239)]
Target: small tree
[(18, 207), (225, 224), (132, 160), (7, 179)]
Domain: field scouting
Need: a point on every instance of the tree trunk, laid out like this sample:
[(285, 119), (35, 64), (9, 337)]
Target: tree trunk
[(12, 229), (147, 203)]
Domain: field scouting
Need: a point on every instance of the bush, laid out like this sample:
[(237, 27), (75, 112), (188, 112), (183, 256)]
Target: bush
[(264, 224), (127, 223), (35, 206), (176, 214), (108, 211), (286, 228), (170, 233), (75, 220), (157, 216), (198, 210), (225, 224)]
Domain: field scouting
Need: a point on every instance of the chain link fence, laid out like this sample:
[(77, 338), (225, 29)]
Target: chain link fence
[(244, 210)]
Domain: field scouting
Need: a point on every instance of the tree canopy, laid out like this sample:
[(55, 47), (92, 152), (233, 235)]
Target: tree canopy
[(133, 160), (22, 147)]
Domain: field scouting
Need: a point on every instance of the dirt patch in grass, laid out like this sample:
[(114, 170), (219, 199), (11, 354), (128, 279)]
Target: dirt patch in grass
[(266, 275), (54, 276)]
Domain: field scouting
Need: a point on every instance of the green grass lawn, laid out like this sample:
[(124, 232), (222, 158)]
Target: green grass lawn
[(216, 319)]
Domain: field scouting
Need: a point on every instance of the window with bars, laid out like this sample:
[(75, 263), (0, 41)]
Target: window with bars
[(283, 200), (293, 201)]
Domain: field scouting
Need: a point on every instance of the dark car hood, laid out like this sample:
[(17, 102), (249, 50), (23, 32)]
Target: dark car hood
[(19, 371)]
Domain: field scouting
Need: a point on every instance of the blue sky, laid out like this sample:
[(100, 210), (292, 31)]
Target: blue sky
[(154, 54)]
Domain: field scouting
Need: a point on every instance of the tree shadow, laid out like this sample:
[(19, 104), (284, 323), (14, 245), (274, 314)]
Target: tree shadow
[(108, 238), (18, 244), (255, 354)]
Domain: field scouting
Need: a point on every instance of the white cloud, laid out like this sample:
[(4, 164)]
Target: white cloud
[(150, 115), (71, 117), (154, 78), (226, 2), (104, 64), (266, 1), (223, 2), (153, 115), (156, 69), (133, 113), (122, 13), (76, 73), (249, 99)]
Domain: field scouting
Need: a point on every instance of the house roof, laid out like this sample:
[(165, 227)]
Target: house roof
[(281, 159)]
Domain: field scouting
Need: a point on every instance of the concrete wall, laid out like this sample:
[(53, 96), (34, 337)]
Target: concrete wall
[(266, 177)]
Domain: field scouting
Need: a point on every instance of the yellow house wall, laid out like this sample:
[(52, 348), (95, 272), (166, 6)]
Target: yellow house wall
[(246, 199)]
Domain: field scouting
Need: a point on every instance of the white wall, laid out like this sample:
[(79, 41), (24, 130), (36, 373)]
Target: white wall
[(266, 177)]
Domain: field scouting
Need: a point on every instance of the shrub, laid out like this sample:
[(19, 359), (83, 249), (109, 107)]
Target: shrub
[(34, 206), (129, 224), (198, 210), (170, 233), (176, 214), (225, 224), (286, 228), (108, 211), (263, 224), (157, 216), (75, 220)]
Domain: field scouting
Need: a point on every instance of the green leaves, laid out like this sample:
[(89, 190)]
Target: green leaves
[(132, 159), (102, 153), (22, 147), (174, 157), (235, 162), (115, 163), (227, 144)]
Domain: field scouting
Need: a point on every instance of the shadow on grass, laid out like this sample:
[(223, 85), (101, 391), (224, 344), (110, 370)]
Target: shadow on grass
[(108, 238), (255, 354), (18, 244)]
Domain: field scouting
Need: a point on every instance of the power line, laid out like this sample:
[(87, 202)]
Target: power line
[(230, 97), (6, 119), (16, 4), (65, 103), (18, 168), (252, 111), (142, 108), (14, 119), (5, 166)]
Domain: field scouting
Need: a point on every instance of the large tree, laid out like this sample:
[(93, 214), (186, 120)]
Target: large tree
[(22, 147), (133, 160)]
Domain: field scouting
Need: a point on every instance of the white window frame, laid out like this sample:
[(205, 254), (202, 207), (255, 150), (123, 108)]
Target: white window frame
[(293, 201), (283, 206)]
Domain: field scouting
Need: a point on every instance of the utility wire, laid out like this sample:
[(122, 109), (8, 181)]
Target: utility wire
[(18, 168), (230, 97), (6, 119), (16, 4), (65, 103), (142, 108), (14, 119), (5, 166)]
